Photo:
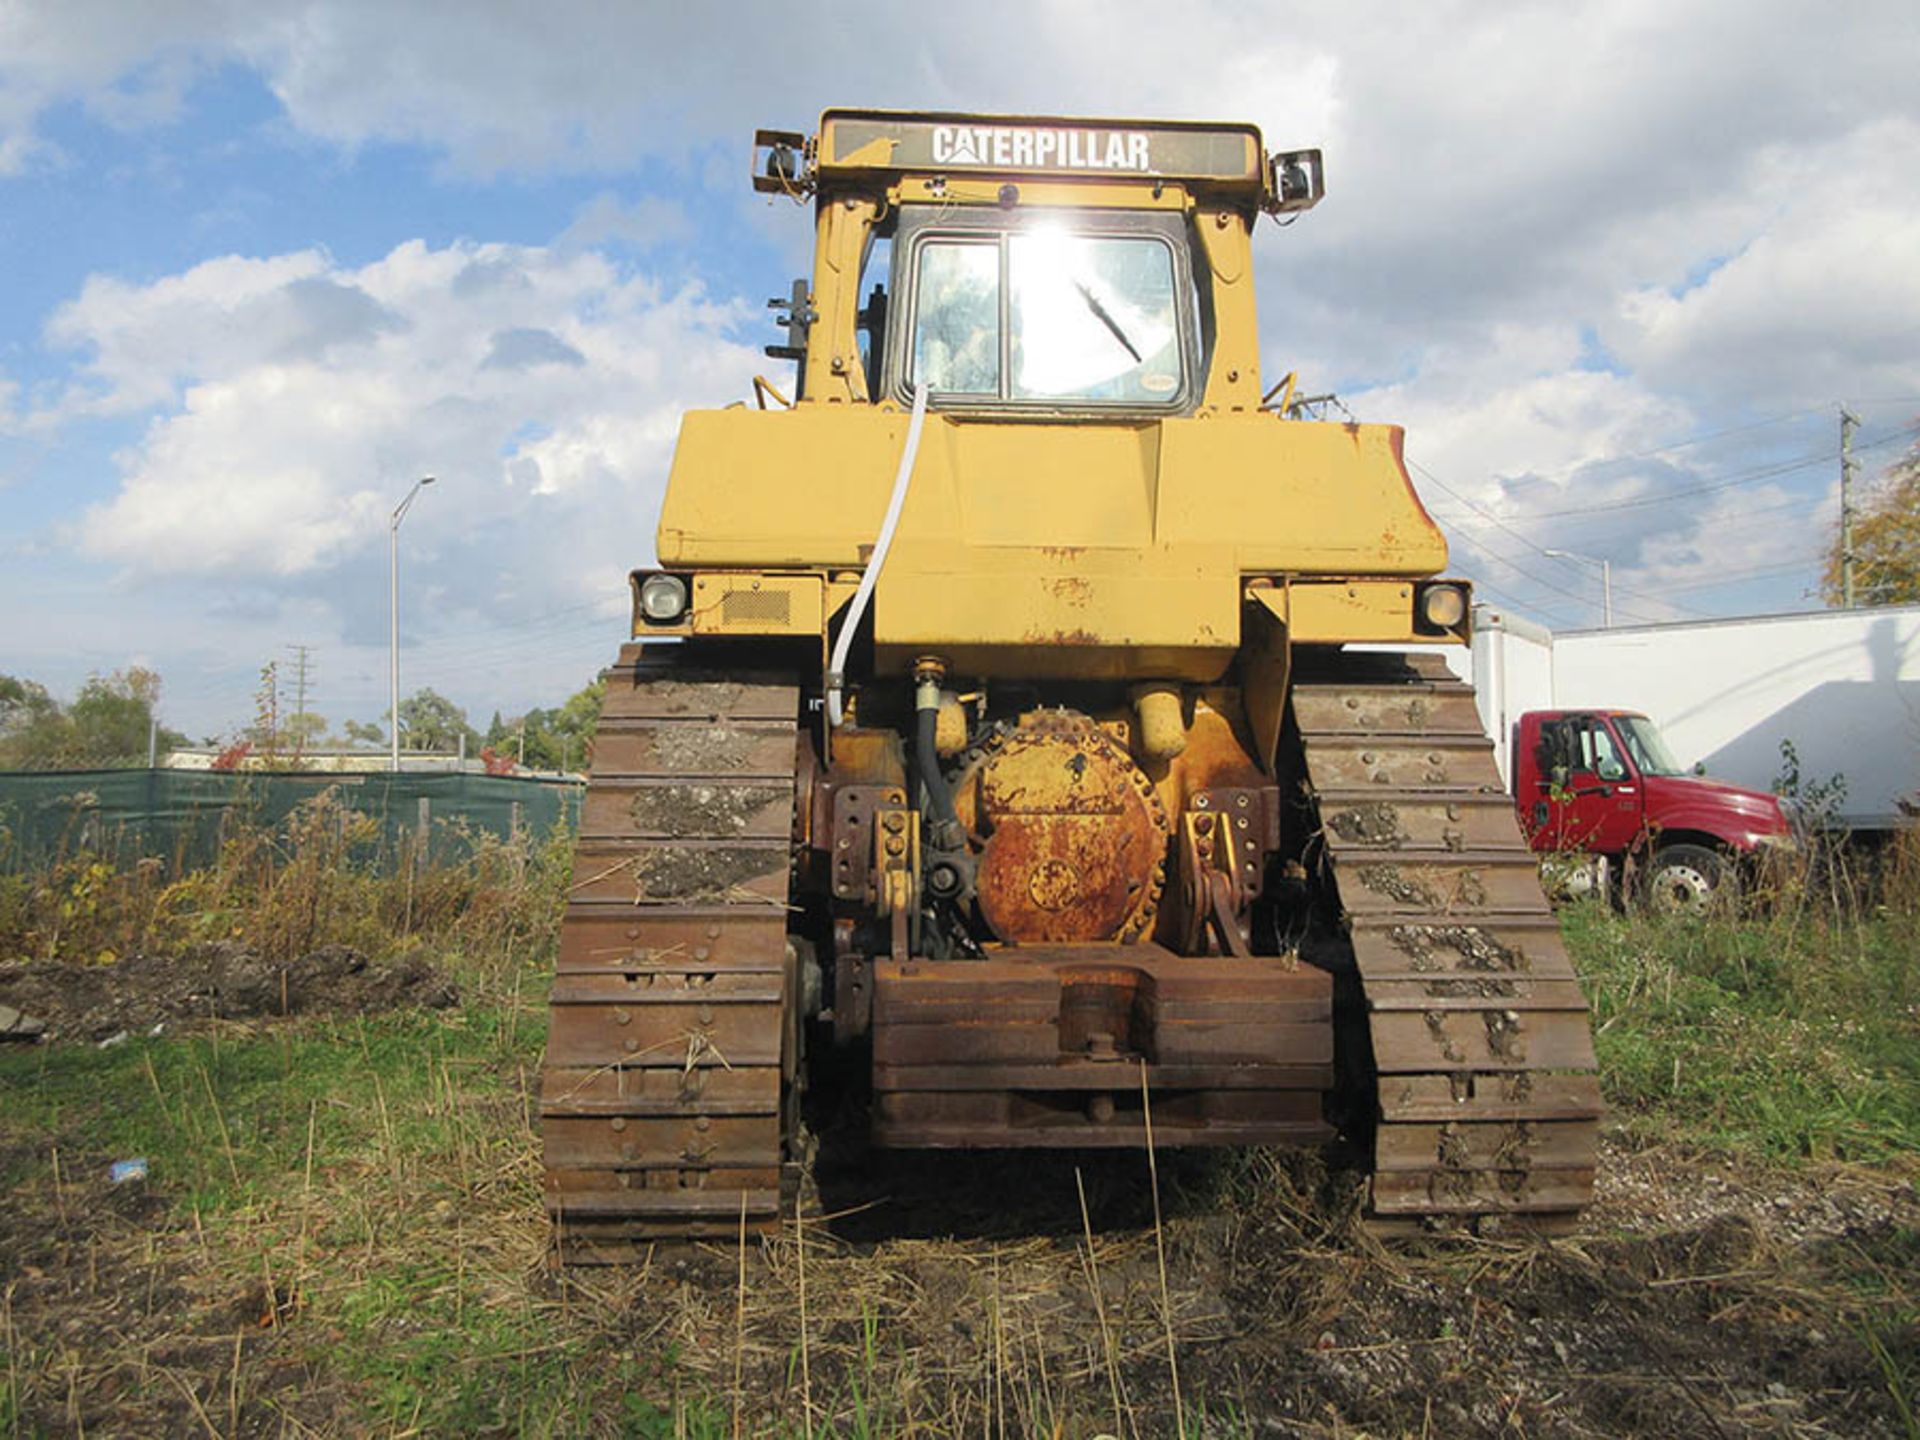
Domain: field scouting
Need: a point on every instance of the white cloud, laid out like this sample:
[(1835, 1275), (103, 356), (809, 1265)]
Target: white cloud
[(1824, 300), (1553, 237), (301, 415), (142, 341), (130, 65), (650, 221)]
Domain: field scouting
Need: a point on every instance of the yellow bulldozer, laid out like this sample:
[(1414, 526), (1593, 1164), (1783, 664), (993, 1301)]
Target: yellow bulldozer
[(995, 714)]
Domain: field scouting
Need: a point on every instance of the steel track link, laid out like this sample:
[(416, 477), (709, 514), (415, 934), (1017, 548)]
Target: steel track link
[(669, 1042), (1489, 1100)]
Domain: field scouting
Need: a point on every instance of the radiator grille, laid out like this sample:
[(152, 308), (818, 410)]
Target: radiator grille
[(756, 607)]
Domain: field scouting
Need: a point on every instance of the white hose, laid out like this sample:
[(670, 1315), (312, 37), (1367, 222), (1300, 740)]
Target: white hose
[(837, 665)]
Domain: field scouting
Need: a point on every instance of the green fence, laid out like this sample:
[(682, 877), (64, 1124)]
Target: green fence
[(182, 816)]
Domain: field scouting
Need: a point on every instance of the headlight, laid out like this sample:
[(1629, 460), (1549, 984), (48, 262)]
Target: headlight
[(663, 598), (1443, 606)]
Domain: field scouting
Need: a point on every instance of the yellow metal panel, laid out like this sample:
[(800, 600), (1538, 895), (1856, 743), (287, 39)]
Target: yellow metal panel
[(1233, 377), (1077, 611), (834, 373), (1345, 611), (1094, 549), (1044, 194), (774, 488), (809, 486), (1295, 497), (1048, 486), (748, 604), (1357, 610)]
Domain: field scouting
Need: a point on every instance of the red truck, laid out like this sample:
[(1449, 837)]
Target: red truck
[(1602, 784)]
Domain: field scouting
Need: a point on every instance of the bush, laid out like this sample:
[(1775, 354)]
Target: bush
[(315, 880)]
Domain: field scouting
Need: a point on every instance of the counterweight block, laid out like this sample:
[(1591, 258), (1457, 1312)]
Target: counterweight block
[(1047, 1046)]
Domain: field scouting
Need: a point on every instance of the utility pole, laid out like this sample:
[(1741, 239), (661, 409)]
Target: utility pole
[(393, 635), (300, 653), (1848, 423), (1606, 580)]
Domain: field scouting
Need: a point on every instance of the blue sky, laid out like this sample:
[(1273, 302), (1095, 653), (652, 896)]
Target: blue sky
[(268, 263)]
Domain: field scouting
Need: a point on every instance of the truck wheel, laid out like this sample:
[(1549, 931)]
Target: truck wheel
[(1684, 880)]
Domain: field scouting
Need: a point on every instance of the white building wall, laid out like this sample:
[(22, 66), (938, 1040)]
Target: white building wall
[(1843, 686), (1512, 673)]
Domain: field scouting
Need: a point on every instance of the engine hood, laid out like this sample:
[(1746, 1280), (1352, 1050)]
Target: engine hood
[(1737, 814)]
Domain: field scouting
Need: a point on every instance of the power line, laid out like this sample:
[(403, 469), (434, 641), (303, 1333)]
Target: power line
[(539, 622), (1494, 520), (1767, 472), (1688, 443), (1740, 577), (1494, 555)]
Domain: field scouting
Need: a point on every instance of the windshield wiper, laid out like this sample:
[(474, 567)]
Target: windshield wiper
[(1100, 313)]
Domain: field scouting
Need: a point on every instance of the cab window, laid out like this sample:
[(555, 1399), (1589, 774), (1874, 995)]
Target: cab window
[(956, 333), (1092, 318), (1046, 311), (1579, 745)]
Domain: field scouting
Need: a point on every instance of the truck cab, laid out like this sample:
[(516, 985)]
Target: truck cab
[(1604, 784)]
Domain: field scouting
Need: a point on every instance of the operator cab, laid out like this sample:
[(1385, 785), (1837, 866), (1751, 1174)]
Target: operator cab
[(1030, 267)]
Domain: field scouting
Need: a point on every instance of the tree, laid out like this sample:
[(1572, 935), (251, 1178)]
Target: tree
[(560, 739), (107, 725), (365, 732), (1886, 541), (33, 728), (303, 729), (430, 721), (552, 739)]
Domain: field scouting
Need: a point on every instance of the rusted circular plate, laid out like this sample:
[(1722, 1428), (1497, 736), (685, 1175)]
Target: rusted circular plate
[(1075, 838)]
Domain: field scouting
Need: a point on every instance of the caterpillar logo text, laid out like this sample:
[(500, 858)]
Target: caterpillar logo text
[(1068, 149)]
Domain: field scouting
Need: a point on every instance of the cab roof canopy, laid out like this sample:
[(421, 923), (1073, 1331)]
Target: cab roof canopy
[(856, 149)]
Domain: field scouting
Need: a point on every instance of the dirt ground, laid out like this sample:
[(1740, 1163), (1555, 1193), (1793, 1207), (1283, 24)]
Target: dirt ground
[(972, 1295), (134, 994), (1697, 1299)]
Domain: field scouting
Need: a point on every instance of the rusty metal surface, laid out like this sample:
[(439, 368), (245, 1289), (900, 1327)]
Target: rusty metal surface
[(661, 1094), (1075, 834), (1045, 1046), (1488, 1099)]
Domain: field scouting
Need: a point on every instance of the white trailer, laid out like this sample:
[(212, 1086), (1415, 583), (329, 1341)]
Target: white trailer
[(1842, 685)]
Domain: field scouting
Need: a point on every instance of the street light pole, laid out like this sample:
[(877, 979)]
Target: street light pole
[(1606, 581), (393, 638)]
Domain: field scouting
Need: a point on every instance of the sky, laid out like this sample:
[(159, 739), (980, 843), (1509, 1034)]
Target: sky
[(1616, 267)]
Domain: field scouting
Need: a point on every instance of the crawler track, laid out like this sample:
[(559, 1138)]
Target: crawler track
[(1488, 1098), (670, 1053)]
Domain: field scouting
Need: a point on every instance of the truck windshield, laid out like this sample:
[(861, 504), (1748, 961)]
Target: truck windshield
[(1647, 746), (1046, 314)]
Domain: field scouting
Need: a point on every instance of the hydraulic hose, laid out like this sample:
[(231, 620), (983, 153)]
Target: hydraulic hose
[(837, 663), (926, 760)]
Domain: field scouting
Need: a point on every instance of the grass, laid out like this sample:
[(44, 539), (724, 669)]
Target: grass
[(356, 1202), (341, 1230), (360, 1198), (1788, 1036)]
